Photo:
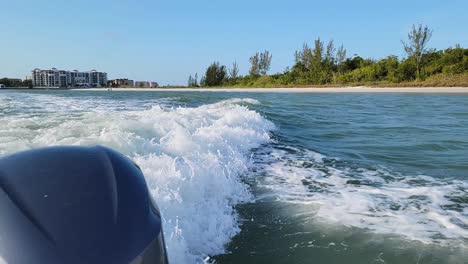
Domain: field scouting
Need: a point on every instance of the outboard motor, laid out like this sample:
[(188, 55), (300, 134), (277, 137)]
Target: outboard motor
[(77, 205)]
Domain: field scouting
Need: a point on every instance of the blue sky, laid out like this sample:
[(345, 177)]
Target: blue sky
[(167, 40)]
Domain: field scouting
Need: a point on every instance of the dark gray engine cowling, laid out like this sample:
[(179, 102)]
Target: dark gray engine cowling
[(77, 205)]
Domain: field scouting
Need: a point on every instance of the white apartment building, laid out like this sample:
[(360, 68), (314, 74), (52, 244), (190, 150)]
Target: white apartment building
[(64, 79)]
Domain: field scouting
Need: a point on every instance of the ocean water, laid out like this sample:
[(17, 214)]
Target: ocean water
[(277, 177)]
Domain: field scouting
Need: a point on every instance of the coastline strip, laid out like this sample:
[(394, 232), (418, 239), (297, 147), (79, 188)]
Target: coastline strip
[(454, 90)]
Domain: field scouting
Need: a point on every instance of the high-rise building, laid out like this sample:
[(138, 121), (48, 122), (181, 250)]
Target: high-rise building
[(54, 78)]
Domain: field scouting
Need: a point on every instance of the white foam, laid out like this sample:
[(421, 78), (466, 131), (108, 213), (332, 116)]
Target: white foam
[(192, 158), (414, 207)]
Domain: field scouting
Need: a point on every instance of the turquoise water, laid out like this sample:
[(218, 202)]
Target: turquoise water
[(278, 177)]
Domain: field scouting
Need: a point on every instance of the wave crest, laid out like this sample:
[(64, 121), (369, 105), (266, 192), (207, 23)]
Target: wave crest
[(193, 159)]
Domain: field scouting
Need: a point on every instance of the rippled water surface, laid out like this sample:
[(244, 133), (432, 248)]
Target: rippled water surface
[(277, 177)]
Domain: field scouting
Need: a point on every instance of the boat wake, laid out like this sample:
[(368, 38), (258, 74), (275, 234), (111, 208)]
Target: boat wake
[(196, 161), (421, 208), (192, 157)]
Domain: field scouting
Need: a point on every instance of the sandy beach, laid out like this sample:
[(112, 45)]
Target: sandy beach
[(455, 90)]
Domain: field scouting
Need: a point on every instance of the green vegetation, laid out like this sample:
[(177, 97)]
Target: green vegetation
[(416, 46), (193, 81), (15, 83), (325, 65), (215, 75)]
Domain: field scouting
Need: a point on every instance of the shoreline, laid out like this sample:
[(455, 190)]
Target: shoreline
[(354, 89), (360, 89)]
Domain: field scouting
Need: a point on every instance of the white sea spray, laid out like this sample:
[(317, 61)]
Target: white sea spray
[(415, 207), (192, 157)]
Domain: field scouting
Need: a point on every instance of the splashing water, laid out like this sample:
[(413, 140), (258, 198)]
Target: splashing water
[(417, 207), (192, 157), (198, 160)]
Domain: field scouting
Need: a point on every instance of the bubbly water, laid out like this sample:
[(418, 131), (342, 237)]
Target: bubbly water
[(277, 177)]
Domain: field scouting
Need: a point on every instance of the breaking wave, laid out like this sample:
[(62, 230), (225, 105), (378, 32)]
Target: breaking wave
[(192, 157)]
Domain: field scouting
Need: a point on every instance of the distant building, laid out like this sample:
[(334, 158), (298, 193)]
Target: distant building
[(2, 86), (146, 84), (65, 79), (121, 83)]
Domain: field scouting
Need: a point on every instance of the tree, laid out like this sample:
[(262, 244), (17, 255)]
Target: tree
[(315, 66), (260, 63), (317, 53), (13, 82), (215, 75), (351, 64), (28, 83), (304, 57), (340, 58), (193, 81), (416, 46), (5, 82), (328, 63), (265, 62), (330, 54), (190, 81), (234, 71), (255, 65)]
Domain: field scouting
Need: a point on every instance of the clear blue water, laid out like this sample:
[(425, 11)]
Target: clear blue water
[(321, 178)]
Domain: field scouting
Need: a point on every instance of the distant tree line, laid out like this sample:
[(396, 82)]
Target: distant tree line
[(13, 83), (325, 64)]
